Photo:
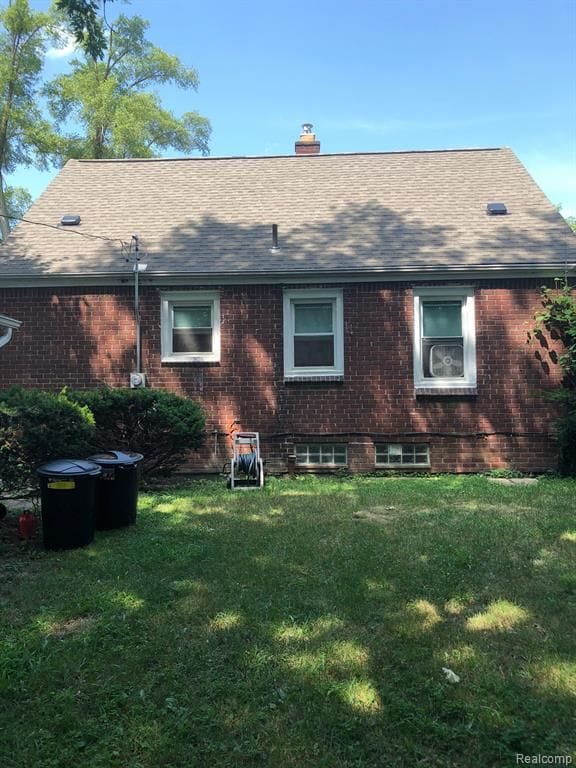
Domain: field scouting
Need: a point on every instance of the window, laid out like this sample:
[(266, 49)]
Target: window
[(408, 455), (190, 327), (444, 338), (313, 333), (318, 455)]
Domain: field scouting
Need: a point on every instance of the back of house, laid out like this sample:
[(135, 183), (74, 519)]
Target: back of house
[(363, 311)]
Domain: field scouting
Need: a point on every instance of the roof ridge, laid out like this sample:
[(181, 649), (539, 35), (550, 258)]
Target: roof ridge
[(272, 157)]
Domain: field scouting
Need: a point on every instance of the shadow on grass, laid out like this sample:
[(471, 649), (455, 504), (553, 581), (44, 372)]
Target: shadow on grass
[(276, 629)]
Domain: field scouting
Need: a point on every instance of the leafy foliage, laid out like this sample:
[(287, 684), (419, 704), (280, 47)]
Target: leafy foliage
[(13, 473), (36, 427), (18, 200), (111, 101), (160, 425), (85, 24), (557, 318), (26, 138)]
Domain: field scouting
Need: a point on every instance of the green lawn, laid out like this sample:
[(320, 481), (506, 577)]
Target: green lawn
[(303, 625)]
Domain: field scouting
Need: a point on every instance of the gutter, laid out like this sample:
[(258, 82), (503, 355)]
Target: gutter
[(295, 276), (11, 325)]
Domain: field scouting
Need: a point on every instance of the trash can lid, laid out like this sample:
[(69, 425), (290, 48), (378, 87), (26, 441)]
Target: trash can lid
[(68, 468), (116, 458)]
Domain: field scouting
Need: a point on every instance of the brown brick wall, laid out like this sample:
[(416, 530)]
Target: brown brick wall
[(81, 338)]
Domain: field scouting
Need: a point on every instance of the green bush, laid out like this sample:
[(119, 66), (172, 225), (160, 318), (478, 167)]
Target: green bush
[(160, 425), (36, 427), (565, 430), (557, 318), (13, 470)]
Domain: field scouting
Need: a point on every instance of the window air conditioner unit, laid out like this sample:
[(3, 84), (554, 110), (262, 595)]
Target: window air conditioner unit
[(447, 360)]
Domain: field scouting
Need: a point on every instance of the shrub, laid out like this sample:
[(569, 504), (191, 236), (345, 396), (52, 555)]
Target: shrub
[(36, 427), (13, 471), (557, 318), (160, 425), (565, 430)]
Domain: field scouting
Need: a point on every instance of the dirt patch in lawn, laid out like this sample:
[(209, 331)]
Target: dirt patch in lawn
[(376, 514), (73, 626)]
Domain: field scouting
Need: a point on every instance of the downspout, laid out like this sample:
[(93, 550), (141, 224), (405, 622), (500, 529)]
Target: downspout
[(137, 314)]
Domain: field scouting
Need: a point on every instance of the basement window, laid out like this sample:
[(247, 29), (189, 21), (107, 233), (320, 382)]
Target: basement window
[(190, 327), (322, 455), (402, 455)]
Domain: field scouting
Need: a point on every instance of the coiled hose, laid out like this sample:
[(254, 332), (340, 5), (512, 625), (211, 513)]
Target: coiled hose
[(248, 464)]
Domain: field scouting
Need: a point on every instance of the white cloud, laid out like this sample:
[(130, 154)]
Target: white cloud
[(65, 47)]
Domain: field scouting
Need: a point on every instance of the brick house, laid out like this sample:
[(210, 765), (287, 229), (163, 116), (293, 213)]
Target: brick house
[(359, 310)]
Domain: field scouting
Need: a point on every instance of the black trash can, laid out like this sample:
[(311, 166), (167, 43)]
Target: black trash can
[(116, 489), (68, 502)]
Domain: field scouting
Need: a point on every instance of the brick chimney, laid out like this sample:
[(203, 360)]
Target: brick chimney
[(307, 144)]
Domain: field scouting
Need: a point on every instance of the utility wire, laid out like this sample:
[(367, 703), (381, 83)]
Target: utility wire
[(70, 231)]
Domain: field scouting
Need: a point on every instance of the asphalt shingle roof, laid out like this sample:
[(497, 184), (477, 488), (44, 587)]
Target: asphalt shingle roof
[(335, 213)]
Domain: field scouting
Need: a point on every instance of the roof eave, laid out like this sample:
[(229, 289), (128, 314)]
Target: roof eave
[(416, 272)]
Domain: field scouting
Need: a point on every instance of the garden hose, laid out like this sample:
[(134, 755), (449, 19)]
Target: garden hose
[(248, 464)]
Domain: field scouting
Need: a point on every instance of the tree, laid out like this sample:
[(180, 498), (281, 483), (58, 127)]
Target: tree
[(112, 102), (26, 137), (557, 319), (85, 24), (570, 220), (18, 200)]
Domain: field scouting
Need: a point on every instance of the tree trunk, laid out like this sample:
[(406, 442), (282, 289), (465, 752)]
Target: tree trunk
[(4, 228)]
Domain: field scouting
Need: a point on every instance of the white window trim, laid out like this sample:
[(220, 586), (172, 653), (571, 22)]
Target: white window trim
[(449, 293), (187, 299), (293, 297)]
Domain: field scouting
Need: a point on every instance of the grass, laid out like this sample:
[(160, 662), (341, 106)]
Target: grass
[(305, 625)]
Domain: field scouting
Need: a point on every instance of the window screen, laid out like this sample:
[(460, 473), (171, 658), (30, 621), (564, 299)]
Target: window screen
[(313, 334), (442, 341), (192, 329)]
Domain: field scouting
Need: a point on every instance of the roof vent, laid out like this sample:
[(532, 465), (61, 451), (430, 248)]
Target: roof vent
[(496, 209), (70, 220), (274, 248)]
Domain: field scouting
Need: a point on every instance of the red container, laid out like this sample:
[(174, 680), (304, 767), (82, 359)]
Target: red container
[(27, 525)]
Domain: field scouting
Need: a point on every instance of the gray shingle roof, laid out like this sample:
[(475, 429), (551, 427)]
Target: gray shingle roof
[(336, 213)]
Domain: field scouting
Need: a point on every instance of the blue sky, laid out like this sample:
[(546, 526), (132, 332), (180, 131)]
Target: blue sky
[(375, 75)]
